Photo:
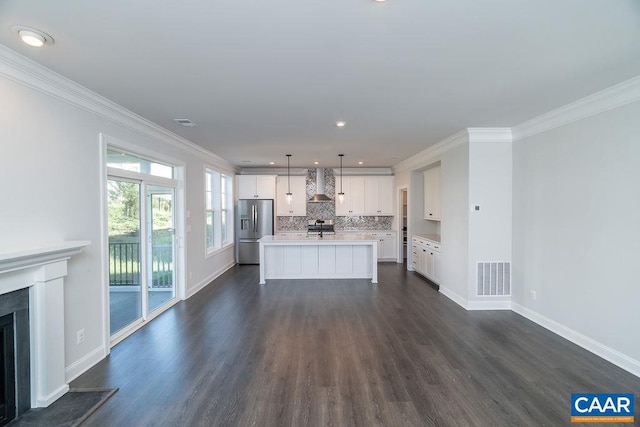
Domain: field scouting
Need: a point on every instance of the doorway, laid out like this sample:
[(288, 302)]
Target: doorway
[(141, 239), (402, 224)]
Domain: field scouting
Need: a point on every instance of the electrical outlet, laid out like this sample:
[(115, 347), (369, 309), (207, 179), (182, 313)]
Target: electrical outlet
[(80, 336), (534, 295)]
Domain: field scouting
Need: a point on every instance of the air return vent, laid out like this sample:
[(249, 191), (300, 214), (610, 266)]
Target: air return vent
[(185, 122), (494, 278)]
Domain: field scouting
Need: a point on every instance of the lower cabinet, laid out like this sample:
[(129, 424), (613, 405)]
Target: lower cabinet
[(425, 258), (387, 245)]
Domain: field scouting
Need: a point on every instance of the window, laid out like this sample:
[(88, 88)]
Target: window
[(218, 210), (120, 160)]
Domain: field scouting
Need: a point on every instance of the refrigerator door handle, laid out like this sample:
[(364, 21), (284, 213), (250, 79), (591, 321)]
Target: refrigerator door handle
[(255, 221)]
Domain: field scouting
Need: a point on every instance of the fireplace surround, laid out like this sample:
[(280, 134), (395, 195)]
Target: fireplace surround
[(32, 292)]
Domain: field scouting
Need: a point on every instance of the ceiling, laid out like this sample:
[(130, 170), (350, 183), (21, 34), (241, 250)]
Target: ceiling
[(265, 78)]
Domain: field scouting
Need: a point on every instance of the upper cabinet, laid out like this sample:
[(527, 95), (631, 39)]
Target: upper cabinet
[(432, 209), (378, 195), (298, 206), (256, 186), (365, 195), (353, 189)]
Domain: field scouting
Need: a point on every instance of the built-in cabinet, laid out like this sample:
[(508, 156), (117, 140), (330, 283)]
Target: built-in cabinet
[(353, 189), (432, 206), (365, 195), (378, 195), (426, 258), (387, 241), (298, 206), (256, 186), (387, 245)]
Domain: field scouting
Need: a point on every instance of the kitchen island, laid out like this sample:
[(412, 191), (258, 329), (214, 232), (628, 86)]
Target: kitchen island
[(336, 256)]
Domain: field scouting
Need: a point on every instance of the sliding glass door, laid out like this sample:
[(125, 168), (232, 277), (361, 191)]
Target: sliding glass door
[(125, 250), (161, 251), (141, 250)]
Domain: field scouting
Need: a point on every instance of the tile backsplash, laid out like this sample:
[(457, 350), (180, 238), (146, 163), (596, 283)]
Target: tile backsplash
[(344, 223), (327, 210)]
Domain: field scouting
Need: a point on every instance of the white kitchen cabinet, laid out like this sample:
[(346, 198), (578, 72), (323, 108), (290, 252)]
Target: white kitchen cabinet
[(426, 258), (256, 186), (378, 195), (353, 189), (387, 245), (432, 206), (298, 206)]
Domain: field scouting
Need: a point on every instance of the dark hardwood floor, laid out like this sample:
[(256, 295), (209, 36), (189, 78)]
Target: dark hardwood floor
[(343, 353)]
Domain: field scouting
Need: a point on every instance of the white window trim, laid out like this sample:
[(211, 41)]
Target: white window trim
[(218, 245)]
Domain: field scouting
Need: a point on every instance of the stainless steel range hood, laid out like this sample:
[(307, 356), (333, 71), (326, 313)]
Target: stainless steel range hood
[(320, 196)]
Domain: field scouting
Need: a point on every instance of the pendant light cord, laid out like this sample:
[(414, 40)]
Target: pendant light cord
[(341, 156), (288, 173)]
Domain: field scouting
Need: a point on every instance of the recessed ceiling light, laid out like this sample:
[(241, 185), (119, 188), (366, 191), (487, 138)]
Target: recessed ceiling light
[(360, 163), (185, 122), (272, 163), (341, 123), (32, 36), (379, 1), (316, 163)]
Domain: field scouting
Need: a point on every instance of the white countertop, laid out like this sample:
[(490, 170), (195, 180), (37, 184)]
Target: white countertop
[(314, 239), (337, 231), (432, 237)]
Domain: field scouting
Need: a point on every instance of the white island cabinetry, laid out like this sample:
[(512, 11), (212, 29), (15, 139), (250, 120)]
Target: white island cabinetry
[(340, 256)]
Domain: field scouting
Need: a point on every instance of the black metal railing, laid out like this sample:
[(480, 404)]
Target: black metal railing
[(124, 268)]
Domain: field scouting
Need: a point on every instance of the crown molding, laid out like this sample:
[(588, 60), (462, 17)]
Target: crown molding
[(272, 171), (616, 96), (431, 154), (304, 171), (26, 72), (490, 134)]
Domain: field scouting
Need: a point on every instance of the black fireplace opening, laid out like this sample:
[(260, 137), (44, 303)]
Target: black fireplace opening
[(7, 370), (15, 355)]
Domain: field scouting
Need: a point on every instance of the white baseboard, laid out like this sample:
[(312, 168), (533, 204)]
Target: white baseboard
[(83, 364), (462, 302), (197, 288), (489, 305), (44, 401), (621, 360)]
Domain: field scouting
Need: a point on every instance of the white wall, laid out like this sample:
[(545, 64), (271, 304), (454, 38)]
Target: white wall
[(50, 185), (454, 184), (490, 174), (576, 228)]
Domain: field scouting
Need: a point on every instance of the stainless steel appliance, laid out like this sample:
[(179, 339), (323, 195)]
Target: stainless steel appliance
[(255, 220)]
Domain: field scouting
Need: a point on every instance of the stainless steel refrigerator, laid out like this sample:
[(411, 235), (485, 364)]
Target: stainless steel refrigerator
[(255, 220)]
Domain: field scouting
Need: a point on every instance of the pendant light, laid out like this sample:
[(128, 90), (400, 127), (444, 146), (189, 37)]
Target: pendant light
[(341, 194), (289, 195)]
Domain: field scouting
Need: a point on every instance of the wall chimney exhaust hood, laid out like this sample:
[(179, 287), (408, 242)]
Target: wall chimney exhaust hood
[(320, 196)]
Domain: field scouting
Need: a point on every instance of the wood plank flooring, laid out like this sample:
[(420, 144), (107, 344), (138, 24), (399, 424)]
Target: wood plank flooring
[(343, 353)]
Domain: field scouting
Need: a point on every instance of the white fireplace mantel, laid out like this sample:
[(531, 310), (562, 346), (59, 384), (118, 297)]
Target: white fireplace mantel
[(41, 268)]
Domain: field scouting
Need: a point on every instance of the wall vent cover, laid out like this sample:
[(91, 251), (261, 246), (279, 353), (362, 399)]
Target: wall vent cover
[(494, 278)]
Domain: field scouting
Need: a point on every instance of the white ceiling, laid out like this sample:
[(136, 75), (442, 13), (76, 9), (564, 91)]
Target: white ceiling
[(265, 78)]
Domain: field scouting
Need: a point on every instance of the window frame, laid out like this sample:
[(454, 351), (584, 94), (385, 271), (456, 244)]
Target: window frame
[(218, 199)]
